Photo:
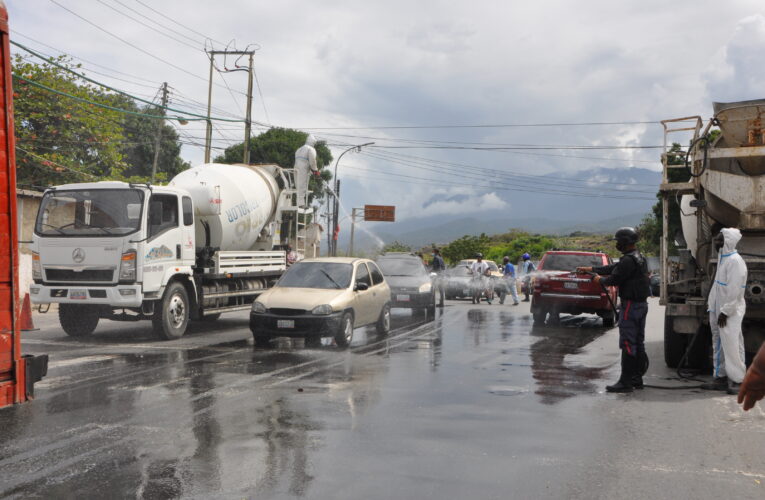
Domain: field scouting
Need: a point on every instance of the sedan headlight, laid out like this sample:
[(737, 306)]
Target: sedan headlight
[(36, 267), (127, 267), (259, 308), (425, 287), (322, 310)]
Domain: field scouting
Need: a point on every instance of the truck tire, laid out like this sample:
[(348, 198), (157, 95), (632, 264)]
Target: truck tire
[(344, 334), (171, 317), (78, 320), (674, 344), (539, 317), (609, 319), (262, 342), (383, 324)]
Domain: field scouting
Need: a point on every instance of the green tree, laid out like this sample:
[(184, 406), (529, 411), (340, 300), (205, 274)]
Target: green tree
[(59, 139), (465, 248), (396, 246), (138, 148), (278, 145), (535, 245)]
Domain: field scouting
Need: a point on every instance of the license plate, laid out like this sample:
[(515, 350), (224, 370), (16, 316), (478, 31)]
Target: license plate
[(78, 294), (570, 285), (285, 323), (402, 298)]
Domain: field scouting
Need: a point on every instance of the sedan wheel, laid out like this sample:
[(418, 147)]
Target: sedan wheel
[(383, 324), (344, 335)]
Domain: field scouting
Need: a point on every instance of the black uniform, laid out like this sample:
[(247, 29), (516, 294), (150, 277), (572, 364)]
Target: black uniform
[(630, 274)]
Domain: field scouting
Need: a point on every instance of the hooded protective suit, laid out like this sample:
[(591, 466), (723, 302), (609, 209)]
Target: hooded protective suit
[(727, 297), (305, 163)]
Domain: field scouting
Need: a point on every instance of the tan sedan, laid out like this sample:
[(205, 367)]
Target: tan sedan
[(325, 297)]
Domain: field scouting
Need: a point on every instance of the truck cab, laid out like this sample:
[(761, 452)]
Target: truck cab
[(104, 246)]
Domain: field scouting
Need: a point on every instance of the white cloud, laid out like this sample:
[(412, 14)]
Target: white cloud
[(737, 72), (465, 205)]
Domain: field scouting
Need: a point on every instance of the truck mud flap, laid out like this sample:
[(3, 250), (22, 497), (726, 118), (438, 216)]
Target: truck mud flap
[(36, 367)]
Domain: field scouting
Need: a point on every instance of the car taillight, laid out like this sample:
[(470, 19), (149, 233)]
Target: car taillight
[(128, 267)]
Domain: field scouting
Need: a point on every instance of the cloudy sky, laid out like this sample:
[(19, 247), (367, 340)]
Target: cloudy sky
[(336, 67)]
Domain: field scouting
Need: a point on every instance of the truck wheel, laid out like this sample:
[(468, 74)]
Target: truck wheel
[(262, 342), (383, 324), (344, 334), (609, 319), (78, 320), (172, 316), (674, 344), (539, 317)]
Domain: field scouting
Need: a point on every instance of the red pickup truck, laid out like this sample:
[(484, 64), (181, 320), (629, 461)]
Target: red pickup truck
[(559, 289)]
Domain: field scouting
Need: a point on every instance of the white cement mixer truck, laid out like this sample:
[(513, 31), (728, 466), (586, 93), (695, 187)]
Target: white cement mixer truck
[(726, 189), (201, 246)]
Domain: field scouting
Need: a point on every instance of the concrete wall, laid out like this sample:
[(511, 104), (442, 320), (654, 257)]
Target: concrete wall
[(27, 203)]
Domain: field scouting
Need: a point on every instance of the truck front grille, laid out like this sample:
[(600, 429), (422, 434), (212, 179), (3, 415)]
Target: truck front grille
[(86, 275)]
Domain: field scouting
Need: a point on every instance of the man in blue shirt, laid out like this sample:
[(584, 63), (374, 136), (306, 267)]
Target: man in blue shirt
[(508, 272)]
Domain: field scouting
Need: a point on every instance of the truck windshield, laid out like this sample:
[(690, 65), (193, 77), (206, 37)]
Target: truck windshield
[(317, 275), (95, 212)]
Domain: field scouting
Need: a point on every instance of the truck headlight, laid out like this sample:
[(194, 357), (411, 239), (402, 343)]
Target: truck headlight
[(425, 287), (259, 308), (322, 310), (36, 267), (127, 267)]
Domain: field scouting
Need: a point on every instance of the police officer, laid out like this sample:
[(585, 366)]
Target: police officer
[(630, 274)]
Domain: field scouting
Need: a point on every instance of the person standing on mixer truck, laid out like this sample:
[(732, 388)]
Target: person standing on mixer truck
[(630, 274), (305, 163), (726, 306)]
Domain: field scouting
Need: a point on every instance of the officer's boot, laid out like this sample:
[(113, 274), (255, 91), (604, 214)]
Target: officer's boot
[(642, 368), (628, 372)]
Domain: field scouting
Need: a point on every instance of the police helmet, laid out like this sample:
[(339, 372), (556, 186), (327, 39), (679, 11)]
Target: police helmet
[(626, 235)]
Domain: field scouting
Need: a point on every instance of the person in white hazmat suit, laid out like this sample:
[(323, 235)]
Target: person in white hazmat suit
[(726, 306), (305, 164)]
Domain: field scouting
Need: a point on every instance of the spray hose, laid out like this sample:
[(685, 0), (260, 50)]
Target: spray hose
[(688, 349)]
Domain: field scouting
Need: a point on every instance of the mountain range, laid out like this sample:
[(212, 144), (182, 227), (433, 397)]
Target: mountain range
[(600, 201)]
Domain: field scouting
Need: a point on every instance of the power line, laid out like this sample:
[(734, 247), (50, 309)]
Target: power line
[(96, 82), (126, 42), (146, 25), (153, 83), (158, 23), (177, 23), (493, 187), (523, 147), (505, 125)]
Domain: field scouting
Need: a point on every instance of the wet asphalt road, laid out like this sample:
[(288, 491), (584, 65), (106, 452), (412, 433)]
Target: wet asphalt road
[(476, 404)]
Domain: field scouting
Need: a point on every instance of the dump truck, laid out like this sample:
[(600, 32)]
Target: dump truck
[(18, 372), (726, 189), (208, 243)]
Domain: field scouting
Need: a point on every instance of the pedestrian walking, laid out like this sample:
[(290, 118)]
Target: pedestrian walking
[(439, 267), (508, 275), (726, 306), (478, 269), (528, 268), (630, 274)]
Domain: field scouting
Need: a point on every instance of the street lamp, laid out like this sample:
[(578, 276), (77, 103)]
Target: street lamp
[(336, 208)]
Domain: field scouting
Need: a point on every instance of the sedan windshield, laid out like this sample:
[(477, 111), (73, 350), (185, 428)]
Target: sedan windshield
[(95, 212), (402, 267), (317, 275), (569, 262)]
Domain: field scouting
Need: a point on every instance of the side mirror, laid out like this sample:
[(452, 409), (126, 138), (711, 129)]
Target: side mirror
[(360, 286)]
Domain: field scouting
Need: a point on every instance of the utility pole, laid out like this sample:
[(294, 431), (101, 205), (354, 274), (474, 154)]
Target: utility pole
[(353, 229), (208, 132), (248, 118), (158, 138), (335, 221)]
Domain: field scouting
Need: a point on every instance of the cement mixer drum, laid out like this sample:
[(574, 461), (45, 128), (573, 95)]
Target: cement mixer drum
[(232, 203)]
